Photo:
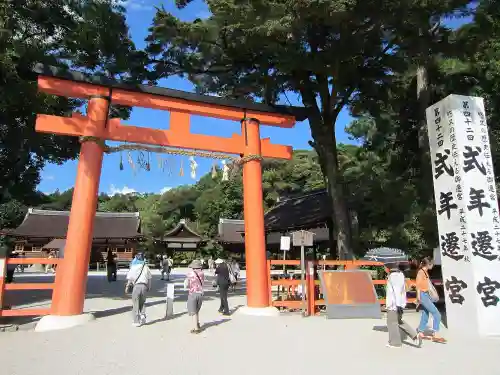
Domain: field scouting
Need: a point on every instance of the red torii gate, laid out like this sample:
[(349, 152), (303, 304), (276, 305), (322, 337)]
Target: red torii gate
[(94, 128)]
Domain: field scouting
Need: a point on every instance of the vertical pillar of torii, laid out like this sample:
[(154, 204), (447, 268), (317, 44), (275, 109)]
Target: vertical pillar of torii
[(467, 214), (253, 210)]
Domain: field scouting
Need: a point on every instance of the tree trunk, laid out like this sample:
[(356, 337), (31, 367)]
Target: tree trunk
[(342, 226), (327, 152), (423, 98)]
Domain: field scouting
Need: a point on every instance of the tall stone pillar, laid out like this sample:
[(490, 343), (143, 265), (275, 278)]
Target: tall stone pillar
[(467, 213)]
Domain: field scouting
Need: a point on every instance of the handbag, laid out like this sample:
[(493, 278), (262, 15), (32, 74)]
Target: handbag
[(130, 286), (433, 294)]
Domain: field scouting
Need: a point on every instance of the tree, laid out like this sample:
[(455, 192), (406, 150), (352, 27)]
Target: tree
[(330, 52), (90, 36), (480, 46)]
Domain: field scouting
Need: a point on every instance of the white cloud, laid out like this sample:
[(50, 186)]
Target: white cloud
[(113, 190), (165, 189), (135, 4)]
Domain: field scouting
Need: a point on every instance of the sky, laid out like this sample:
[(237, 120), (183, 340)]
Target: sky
[(158, 180)]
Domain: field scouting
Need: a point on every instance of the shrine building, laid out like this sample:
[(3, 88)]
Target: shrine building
[(309, 211), (43, 230), (181, 238)]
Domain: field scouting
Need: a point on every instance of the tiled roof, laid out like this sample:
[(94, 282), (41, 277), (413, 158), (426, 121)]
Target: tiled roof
[(306, 211), (54, 224), (232, 232), (182, 233)]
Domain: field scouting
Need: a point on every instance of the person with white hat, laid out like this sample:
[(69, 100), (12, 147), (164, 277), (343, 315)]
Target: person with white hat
[(224, 282), (194, 283)]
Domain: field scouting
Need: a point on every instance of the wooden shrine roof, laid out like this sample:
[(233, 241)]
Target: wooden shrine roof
[(57, 72), (233, 232), (54, 224), (306, 211), (181, 233)]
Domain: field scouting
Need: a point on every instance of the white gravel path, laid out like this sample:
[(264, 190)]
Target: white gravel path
[(236, 345)]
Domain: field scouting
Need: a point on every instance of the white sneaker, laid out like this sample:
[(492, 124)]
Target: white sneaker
[(392, 346), (143, 319), (136, 324)]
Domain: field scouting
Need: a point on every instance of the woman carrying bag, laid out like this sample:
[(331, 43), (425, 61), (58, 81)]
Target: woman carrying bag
[(426, 297), (395, 304), (138, 283)]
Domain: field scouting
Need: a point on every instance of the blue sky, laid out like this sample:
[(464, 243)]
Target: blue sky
[(139, 17)]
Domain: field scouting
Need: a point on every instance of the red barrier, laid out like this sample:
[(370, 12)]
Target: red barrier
[(24, 286)]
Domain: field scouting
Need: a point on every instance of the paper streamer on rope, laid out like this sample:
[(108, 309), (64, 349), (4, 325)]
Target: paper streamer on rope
[(193, 165), (160, 162), (131, 162), (181, 170), (225, 171)]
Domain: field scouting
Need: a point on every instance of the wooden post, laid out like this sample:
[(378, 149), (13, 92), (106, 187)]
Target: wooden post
[(71, 277), (255, 249)]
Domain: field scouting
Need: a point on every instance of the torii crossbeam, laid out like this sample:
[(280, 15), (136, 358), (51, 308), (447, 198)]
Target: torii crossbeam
[(69, 293)]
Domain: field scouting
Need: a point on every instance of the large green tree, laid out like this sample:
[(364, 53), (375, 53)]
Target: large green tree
[(90, 36), (329, 52)]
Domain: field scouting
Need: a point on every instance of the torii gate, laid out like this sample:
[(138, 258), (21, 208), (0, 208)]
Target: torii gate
[(94, 128)]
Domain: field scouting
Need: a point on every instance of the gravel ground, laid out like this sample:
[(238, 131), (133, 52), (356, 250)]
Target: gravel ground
[(238, 344)]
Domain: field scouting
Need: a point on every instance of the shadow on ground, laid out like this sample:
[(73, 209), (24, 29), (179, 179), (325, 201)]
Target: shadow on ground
[(99, 287)]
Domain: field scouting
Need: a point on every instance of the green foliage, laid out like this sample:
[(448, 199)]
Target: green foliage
[(90, 36), (334, 54), (11, 214)]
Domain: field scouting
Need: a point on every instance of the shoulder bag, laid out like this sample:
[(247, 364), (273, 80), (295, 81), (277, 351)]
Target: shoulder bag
[(199, 279), (433, 294), (130, 286)]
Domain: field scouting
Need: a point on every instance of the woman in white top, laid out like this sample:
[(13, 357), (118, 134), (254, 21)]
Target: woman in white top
[(395, 304), (139, 279)]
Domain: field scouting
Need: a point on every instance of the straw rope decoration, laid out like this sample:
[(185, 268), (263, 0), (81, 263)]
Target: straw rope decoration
[(143, 161)]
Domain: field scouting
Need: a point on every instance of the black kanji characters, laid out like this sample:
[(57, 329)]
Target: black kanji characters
[(470, 160), (450, 246), (441, 166), (488, 289), (454, 286), (481, 245), (476, 202), (446, 204)]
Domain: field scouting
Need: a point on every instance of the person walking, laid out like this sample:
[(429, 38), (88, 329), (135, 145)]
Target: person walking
[(236, 269), (111, 266), (426, 297), (194, 282), (395, 304), (165, 268), (223, 282), (139, 283)]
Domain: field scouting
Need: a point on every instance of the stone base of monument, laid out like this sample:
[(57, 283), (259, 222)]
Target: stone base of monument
[(259, 311), (169, 303), (57, 322)]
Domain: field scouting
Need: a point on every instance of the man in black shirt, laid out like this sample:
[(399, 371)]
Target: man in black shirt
[(223, 281)]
